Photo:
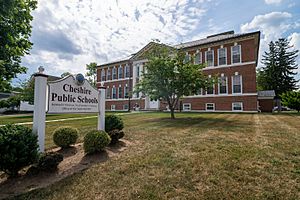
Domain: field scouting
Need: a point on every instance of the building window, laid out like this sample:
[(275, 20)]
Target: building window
[(137, 95), (210, 106), (102, 75), (236, 54), (108, 93), (199, 91), (125, 107), (210, 89), (198, 58), (127, 71), (120, 92), (209, 58), (126, 92), (187, 58), (186, 107), (108, 74), (223, 85), (137, 71), (120, 72), (114, 73), (236, 84), (222, 56), (114, 93), (237, 106), (113, 107)]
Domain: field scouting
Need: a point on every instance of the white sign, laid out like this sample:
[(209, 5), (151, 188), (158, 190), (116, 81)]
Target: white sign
[(72, 95)]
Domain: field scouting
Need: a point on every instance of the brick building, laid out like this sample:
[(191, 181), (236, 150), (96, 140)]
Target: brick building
[(233, 57)]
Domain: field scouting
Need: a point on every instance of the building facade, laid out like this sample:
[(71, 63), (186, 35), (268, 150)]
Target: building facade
[(231, 57)]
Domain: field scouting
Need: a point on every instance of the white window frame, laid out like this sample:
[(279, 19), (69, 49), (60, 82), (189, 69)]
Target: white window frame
[(138, 71), (112, 93), (124, 106), (103, 72), (213, 106), (232, 106), (232, 54), (226, 86), (126, 86), (112, 74), (213, 57), (113, 107), (200, 56), (108, 69), (187, 104), (127, 69), (225, 56), (241, 81), (120, 69), (119, 92), (106, 93), (213, 90)]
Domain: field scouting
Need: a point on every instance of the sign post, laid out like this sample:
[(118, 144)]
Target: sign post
[(101, 113), (39, 113)]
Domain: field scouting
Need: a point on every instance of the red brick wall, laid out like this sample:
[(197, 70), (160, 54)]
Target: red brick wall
[(266, 105), (119, 104)]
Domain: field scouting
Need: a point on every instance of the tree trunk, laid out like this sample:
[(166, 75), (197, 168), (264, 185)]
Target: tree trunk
[(172, 113)]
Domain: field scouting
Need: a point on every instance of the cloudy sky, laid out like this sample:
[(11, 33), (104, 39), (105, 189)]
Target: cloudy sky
[(68, 34)]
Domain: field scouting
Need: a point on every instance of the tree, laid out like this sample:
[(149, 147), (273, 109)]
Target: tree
[(28, 91), (291, 100), (91, 74), (169, 77), (15, 30), (279, 64)]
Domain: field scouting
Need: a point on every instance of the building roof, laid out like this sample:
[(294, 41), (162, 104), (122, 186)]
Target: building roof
[(266, 93), (213, 38), (118, 60)]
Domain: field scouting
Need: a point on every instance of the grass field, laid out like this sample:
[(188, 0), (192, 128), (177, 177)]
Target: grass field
[(196, 156)]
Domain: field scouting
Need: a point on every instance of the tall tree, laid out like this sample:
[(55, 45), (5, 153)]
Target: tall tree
[(279, 65), (291, 99), (15, 30), (91, 72), (169, 76)]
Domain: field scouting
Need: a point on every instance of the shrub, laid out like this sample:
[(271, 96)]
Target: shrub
[(115, 135), (49, 161), (65, 136), (113, 122), (95, 141), (18, 148)]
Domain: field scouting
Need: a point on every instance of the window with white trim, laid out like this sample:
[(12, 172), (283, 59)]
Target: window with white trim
[(187, 58), (237, 106), (125, 107), (108, 93), (210, 89), (114, 73), (209, 58), (103, 75), (210, 106), (126, 91), (120, 72), (112, 107), (222, 56), (114, 93), (198, 58), (199, 91), (186, 107), (108, 74), (127, 71), (223, 85), (120, 92), (137, 71), (236, 54), (236, 84)]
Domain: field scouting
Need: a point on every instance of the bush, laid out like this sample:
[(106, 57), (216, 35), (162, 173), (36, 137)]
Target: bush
[(49, 161), (18, 148), (113, 122), (115, 135), (95, 141), (65, 136)]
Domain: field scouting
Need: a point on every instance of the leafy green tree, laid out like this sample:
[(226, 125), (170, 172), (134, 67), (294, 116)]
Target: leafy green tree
[(170, 76), (291, 100), (279, 65), (28, 91), (15, 30), (92, 72)]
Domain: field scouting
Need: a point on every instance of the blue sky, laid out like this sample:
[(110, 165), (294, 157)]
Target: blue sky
[(67, 35)]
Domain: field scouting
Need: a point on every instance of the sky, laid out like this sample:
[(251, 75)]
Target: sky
[(68, 34)]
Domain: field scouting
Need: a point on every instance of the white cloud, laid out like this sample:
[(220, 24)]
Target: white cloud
[(273, 1), (78, 32)]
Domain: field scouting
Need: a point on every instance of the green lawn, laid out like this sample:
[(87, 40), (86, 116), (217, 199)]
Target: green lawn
[(196, 156)]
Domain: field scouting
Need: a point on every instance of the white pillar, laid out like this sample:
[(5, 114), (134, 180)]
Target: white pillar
[(39, 113), (101, 105)]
